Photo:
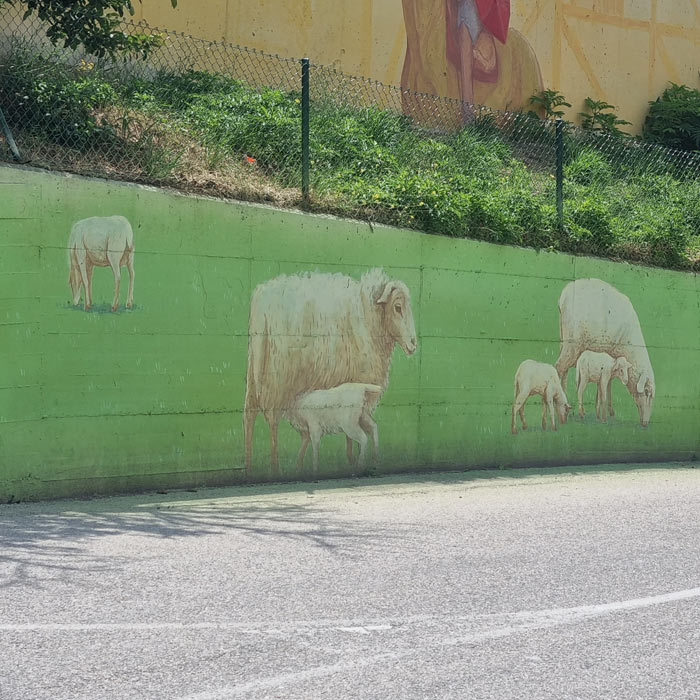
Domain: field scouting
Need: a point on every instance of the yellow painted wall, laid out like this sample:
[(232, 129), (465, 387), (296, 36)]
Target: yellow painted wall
[(623, 51)]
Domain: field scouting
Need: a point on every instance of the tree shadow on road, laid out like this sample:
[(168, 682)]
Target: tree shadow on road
[(43, 543)]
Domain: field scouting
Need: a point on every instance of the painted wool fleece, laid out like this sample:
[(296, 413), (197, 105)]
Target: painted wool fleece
[(320, 330)]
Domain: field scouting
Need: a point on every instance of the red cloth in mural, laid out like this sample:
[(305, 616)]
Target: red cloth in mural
[(495, 14)]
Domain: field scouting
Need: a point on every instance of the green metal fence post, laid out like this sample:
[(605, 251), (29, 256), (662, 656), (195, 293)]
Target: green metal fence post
[(305, 130), (8, 137), (560, 172)]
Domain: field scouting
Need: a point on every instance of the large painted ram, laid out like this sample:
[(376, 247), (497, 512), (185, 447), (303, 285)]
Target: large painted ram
[(318, 331)]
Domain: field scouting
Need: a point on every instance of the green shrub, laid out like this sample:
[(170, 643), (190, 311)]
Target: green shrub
[(549, 102), (589, 226), (674, 118), (600, 117), (589, 168), (664, 241), (56, 100)]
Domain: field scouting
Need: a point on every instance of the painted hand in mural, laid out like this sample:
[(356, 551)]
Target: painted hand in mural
[(465, 49), (100, 242), (479, 23), (315, 332)]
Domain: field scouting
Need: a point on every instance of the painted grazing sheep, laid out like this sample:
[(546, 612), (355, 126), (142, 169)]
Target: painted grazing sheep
[(538, 378), (601, 369), (342, 409), (317, 331), (100, 241), (593, 315)]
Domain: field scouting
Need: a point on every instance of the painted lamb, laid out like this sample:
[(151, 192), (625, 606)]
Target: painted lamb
[(601, 369), (538, 378), (342, 409)]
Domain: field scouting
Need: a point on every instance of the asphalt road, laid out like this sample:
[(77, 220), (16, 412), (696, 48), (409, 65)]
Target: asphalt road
[(568, 584)]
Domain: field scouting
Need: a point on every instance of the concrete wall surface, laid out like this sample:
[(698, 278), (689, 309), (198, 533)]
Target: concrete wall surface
[(96, 401)]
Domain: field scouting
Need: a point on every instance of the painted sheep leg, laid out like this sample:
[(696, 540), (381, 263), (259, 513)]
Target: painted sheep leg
[(305, 439), (273, 421), (358, 435), (114, 259), (518, 409), (552, 414), (249, 416), (597, 401), (604, 397), (567, 359), (611, 413), (90, 270), (369, 425), (581, 390), (348, 450), (315, 437), (82, 266), (544, 413), (130, 268)]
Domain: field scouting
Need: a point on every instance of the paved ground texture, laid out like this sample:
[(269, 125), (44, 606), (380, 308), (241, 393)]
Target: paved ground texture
[(532, 584)]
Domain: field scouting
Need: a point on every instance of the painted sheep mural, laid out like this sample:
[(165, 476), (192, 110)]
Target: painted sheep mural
[(319, 331), (100, 242), (593, 315), (601, 336)]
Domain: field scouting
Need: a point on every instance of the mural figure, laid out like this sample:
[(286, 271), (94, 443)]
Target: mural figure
[(342, 409), (593, 315), (538, 378), (464, 49), (320, 331), (601, 369), (100, 242)]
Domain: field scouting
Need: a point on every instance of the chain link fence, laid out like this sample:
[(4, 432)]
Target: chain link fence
[(226, 120)]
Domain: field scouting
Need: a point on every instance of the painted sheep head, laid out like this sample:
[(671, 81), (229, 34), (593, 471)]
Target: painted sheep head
[(643, 394), (398, 315), (621, 369), (563, 407)]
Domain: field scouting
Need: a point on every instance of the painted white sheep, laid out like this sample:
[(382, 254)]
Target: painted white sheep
[(318, 331), (538, 378), (342, 409), (100, 242), (599, 368), (593, 315)]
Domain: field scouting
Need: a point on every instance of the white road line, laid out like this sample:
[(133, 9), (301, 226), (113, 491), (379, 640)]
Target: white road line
[(536, 619), (296, 677), (555, 615)]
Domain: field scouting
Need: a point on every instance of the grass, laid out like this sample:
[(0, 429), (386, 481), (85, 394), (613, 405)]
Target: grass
[(209, 133)]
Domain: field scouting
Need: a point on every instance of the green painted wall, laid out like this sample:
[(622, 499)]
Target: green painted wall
[(153, 397)]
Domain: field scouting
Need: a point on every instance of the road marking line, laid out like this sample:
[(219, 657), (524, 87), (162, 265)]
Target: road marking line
[(514, 623), (556, 615)]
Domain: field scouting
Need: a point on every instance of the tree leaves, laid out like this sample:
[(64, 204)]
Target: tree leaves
[(92, 24)]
